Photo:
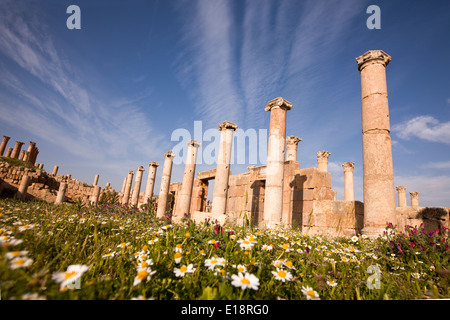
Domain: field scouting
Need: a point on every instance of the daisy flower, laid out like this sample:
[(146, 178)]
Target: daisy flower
[(354, 239), (266, 247), (240, 268), (16, 254), (310, 293), (73, 273), (110, 255), (123, 245), (245, 281), (245, 244), (20, 262), (212, 241), (144, 274), (26, 227), (278, 263), (286, 247), (282, 275), (332, 283), (153, 241), (177, 257), (214, 262), (144, 264), (183, 270), (178, 248), (289, 264)]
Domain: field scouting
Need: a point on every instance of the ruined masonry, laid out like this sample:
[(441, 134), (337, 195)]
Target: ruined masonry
[(279, 194)]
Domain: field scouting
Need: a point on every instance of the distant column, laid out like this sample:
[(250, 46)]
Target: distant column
[(184, 197), (22, 155), (8, 153), (3, 144), (401, 190), (291, 148), (219, 204), (137, 186), (55, 170), (124, 185), (152, 166), (165, 183), (273, 202), (414, 199), (60, 197), (126, 195), (23, 187), (16, 151), (95, 180), (349, 191), (322, 160), (378, 170), (95, 195)]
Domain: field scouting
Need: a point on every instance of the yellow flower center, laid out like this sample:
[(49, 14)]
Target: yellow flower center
[(289, 264), (187, 235), (240, 269), (311, 293), (245, 242), (213, 261), (178, 255), (213, 241), (285, 246), (245, 281), (19, 262), (69, 275), (142, 274), (15, 253), (183, 269), (144, 265), (178, 246), (145, 248), (281, 274)]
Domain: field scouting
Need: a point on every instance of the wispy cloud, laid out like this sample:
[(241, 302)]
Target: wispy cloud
[(437, 165), (58, 101), (424, 128)]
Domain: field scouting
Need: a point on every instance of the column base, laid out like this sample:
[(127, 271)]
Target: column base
[(373, 232)]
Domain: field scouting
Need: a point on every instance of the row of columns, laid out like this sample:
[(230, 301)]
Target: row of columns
[(29, 155), (402, 197)]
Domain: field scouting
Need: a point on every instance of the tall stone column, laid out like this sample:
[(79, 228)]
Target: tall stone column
[(95, 180), (401, 196), (3, 144), (322, 160), (61, 196), (55, 170), (219, 204), (349, 191), (16, 151), (23, 187), (137, 185), (165, 183), (291, 148), (273, 203), (124, 185), (152, 166), (414, 199), (22, 155), (378, 171), (184, 197), (95, 195), (126, 195)]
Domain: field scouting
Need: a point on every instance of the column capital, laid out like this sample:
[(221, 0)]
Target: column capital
[(194, 143), (373, 57), (6, 137), (169, 154), (227, 125), (414, 194), (130, 172), (348, 166), (323, 155), (278, 103), (400, 188), (153, 164), (141, 168), (293, 140)]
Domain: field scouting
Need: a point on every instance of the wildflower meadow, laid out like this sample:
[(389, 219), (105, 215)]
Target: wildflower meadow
[(115, 252)]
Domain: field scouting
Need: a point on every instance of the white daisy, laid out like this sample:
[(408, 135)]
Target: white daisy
[(20, 262), (144, 274), (73, 273), (282, 275), (245, 281), (310, 293), (180, 272)]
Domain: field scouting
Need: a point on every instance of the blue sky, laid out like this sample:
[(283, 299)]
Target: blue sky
[(107, 98)]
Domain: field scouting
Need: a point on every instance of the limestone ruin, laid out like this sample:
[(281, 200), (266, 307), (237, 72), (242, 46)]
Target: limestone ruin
[(279, 194)]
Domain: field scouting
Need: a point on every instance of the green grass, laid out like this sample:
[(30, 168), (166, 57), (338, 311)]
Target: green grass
[(413, 265)]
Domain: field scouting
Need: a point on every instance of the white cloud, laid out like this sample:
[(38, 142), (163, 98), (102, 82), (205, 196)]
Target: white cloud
[(437, 165), (425, 128)]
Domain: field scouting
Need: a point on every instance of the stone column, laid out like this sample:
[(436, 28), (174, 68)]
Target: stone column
[(95, 195), (55, 170), (60, 197), (219, 204), (401, 196), (378, 171), (273, 203), (150, 181), (126, 195), (349, 191), (165, 183), (95, 180), (414, 199), (8, 153), (291, 148), (322, 160), (16, 151), (3, 144), (184, 197), (23, 187), (137, 185), (41, 166), (22, 155), (124, 185)]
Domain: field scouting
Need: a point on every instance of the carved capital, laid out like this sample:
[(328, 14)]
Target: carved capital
[(400, 188), (348, 166), (227, 125), (153, 164), (293, 140), (169, 154), (373, 57), (323, 155), (194, 143), (414, 195), (141, 168), (278, 103)]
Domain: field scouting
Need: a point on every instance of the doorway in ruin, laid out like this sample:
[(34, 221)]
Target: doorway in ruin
[(256, 197), (203, 191)]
